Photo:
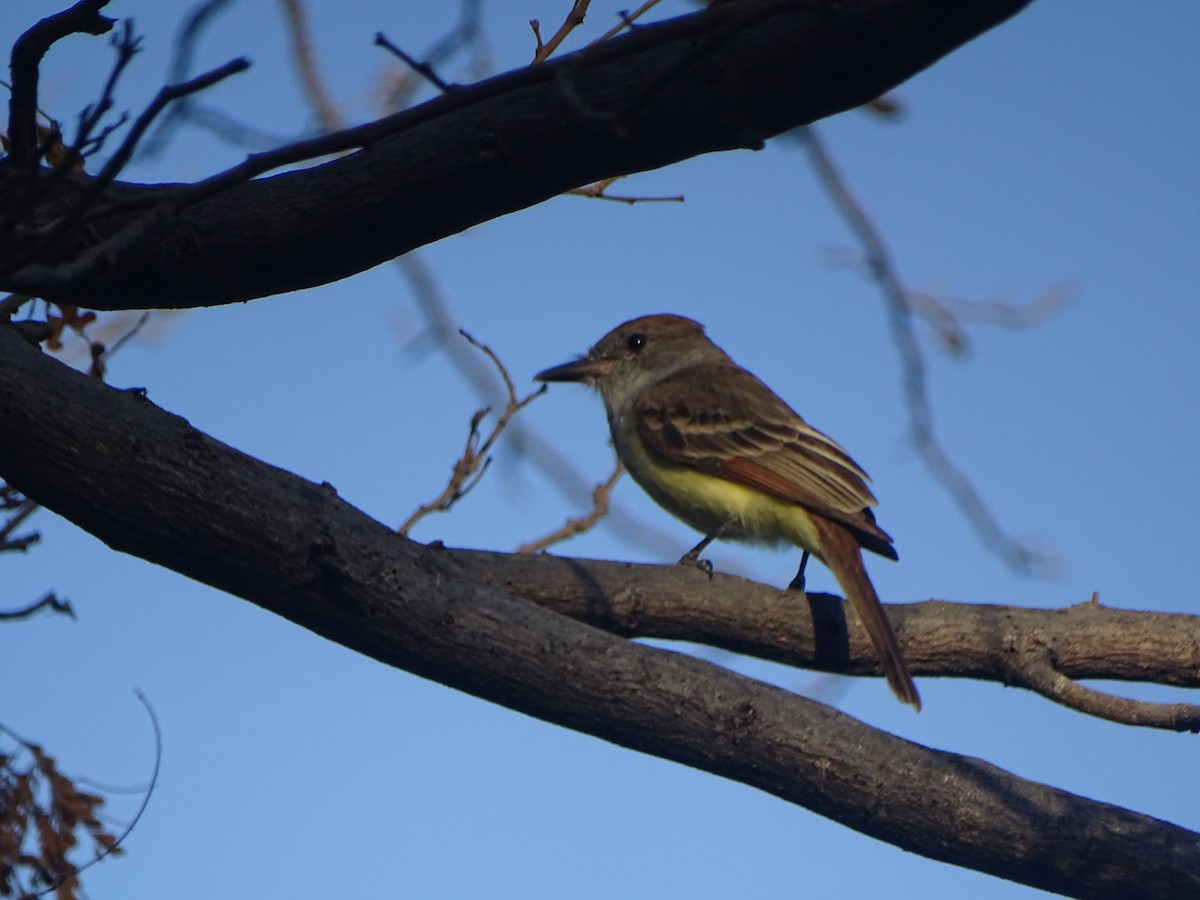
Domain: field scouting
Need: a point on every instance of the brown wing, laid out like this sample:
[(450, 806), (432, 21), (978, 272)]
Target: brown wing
[(723, 420)]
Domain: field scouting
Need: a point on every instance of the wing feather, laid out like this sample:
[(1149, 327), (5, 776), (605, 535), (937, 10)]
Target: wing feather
[(723, 420)]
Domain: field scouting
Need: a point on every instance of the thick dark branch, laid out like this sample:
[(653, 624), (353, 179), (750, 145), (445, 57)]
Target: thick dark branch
[(297, 549), (82, 18), (1044, 650), (727, 77)]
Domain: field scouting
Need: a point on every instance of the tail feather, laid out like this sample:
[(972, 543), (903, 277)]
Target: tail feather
[(840, 552)]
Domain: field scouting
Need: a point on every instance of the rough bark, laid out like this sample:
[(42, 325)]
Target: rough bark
[(729, 76), (147, 483)]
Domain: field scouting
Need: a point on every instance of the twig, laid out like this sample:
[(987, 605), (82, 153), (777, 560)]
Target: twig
[(597, 191), (164, 98), (67, 159), (883, 270), (114, 846), (466, 32), (627, 20), (49, 600), (558, 470), (442, 330), (573, 20), (580, 524), (129, 335), (189, 109), (87, 261), (127, 46), (422, 68), (469, 468), (82, 18), (23, 511)]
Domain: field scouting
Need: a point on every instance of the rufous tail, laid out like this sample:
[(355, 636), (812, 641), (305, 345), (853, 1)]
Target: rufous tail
[(841, 553)]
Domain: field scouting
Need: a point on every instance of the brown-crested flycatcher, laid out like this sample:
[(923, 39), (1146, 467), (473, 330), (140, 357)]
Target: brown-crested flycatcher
[(717, 448)]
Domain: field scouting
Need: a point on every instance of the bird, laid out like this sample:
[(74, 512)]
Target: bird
[(718, 449)]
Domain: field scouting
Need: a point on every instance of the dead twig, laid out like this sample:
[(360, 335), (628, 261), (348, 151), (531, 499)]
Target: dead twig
[(127, 45), (469, 468), (573, 20), (599, 191), (580, 524), (87, 261), (23, 509), (627, 20), (396, 89), (422, 68), (49, 600)]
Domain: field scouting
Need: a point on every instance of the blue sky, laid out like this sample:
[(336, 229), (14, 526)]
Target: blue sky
[(1058, 150)]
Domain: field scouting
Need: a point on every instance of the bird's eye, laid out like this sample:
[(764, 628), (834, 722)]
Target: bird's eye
[(636, 342)]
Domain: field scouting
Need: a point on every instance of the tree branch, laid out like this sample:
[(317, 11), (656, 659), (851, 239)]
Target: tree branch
[(727, 77), (295, 548), (82, 18)]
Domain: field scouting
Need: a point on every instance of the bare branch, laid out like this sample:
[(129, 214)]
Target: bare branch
[(422, 68), (474, 460), (87, 262), (49, 600), (581, 524), (559, 471), (188, 110), (24, 510), (1040, 676), (82, 18), (573, 20), (1021, 557), (778, 58), (127, 45), (397, 89), (112, 845), (462, 618), (599, 191)]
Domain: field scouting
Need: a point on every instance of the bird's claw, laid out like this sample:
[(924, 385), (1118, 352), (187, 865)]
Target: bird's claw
[(693, 559)]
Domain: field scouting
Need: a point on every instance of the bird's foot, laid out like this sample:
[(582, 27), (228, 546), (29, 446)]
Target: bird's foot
[(692, 558)]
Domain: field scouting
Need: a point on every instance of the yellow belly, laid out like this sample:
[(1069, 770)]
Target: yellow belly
[(705, 501)]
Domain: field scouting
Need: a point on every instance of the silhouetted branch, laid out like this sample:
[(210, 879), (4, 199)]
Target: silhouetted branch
[(424, 69), (49, 600), (23, 509), (82, 18), (465, 619)]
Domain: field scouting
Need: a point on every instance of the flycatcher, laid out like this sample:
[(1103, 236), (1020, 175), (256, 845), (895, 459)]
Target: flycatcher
[(715, 447)]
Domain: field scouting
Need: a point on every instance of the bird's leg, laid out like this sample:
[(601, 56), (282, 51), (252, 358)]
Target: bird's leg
[(692, 557), (798, 582)]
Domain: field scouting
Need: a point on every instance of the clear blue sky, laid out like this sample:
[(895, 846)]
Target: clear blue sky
[(1059, 149)]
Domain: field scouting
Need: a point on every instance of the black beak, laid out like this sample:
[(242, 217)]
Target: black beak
[(585, 369)]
